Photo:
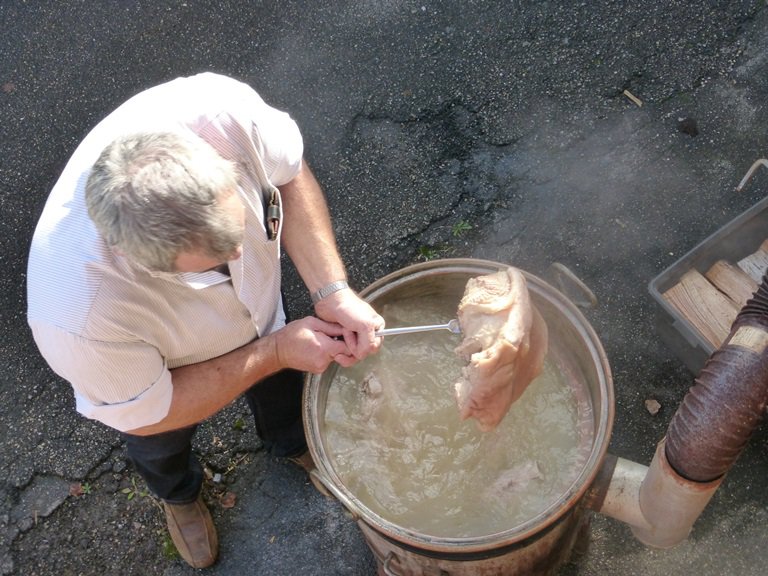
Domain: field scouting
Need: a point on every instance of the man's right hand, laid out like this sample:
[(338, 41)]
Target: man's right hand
[(310, 345)]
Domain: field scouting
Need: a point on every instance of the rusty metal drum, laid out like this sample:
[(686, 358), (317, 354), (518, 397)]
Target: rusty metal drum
[(540, 544)]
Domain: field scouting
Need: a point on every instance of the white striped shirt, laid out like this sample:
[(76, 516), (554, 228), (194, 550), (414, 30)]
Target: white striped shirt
[(114, 329)]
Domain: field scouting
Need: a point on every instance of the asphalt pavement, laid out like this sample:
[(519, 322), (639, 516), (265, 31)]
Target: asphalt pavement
[(607, 136)]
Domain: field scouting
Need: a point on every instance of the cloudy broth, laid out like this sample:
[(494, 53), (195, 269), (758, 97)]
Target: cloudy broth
[(394, 437)]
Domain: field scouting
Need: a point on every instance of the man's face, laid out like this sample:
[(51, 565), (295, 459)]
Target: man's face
[(197, 261)]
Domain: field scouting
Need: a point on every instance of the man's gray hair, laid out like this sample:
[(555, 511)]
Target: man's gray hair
[(154, 195)]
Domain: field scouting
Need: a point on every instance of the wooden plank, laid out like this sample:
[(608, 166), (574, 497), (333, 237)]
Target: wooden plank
[(708, 310), (732, 281), (755, 264)]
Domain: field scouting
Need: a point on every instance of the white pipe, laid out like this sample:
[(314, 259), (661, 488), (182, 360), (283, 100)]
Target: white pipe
[(670, 503), (659, 505), (622, 496)]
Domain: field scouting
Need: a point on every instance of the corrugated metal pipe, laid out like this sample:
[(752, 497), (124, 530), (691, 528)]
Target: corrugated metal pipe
[(719, 414), (709, 430)]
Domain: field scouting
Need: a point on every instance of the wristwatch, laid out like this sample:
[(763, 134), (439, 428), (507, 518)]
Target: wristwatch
[(329, 289)]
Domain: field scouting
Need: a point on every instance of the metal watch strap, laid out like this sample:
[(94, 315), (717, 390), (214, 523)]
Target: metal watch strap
[(328, 290)]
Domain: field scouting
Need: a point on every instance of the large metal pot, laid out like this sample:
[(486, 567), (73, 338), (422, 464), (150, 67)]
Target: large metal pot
[(538, 545)]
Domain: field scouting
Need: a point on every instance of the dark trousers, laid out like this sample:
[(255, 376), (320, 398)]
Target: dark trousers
[(173, 473)]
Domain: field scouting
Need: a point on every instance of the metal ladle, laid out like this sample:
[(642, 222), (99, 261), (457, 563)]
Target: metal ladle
[(452, 326)]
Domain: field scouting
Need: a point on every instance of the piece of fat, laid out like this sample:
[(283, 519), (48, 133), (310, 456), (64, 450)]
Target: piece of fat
[(505, 341)]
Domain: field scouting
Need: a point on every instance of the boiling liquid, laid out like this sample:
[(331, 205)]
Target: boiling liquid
[(394, 436)]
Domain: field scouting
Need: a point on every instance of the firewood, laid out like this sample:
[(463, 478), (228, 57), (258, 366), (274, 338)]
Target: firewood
[(732, 281), (707, 309), (755, 264)]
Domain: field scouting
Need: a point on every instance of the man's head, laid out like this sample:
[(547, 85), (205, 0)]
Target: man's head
[(156, 196)]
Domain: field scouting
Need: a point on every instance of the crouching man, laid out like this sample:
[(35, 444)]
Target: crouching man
[(154, 282)]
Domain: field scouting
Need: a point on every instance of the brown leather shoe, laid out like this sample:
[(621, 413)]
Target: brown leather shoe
[(308, 464), (192, 531), (304, 460)]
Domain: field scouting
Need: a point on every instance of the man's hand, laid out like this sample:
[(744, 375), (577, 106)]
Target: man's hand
[(310, 345), (359, 322), (309, 241)]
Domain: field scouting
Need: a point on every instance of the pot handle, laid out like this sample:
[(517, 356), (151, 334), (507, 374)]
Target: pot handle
[(387, 566), (572, 286)]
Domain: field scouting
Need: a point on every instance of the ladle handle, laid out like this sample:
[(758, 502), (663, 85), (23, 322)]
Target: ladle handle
[(411, 329), (452, 326)]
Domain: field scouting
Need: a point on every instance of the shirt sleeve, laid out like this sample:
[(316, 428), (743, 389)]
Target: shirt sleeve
[(283, 146), (125, 385), (275, 134)]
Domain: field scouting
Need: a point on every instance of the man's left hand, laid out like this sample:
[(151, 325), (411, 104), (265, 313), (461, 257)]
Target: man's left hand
[(357, 318)]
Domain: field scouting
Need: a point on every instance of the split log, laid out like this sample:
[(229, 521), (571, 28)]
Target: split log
[(756, 264), (707, 309), (732, 281)]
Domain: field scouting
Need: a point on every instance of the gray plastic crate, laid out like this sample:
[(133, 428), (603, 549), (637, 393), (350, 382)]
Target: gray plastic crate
[(739, 238)]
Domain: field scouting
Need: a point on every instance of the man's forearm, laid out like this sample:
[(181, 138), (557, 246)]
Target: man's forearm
[(308, 236), (200, 390)]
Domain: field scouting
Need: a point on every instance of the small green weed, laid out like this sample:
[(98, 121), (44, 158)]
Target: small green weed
[(169, 548), (133, 490), (428, 253), (460, 228)]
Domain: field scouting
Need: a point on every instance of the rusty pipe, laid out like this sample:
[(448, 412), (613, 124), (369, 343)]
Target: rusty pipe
[(727, 402), (709, 430)]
